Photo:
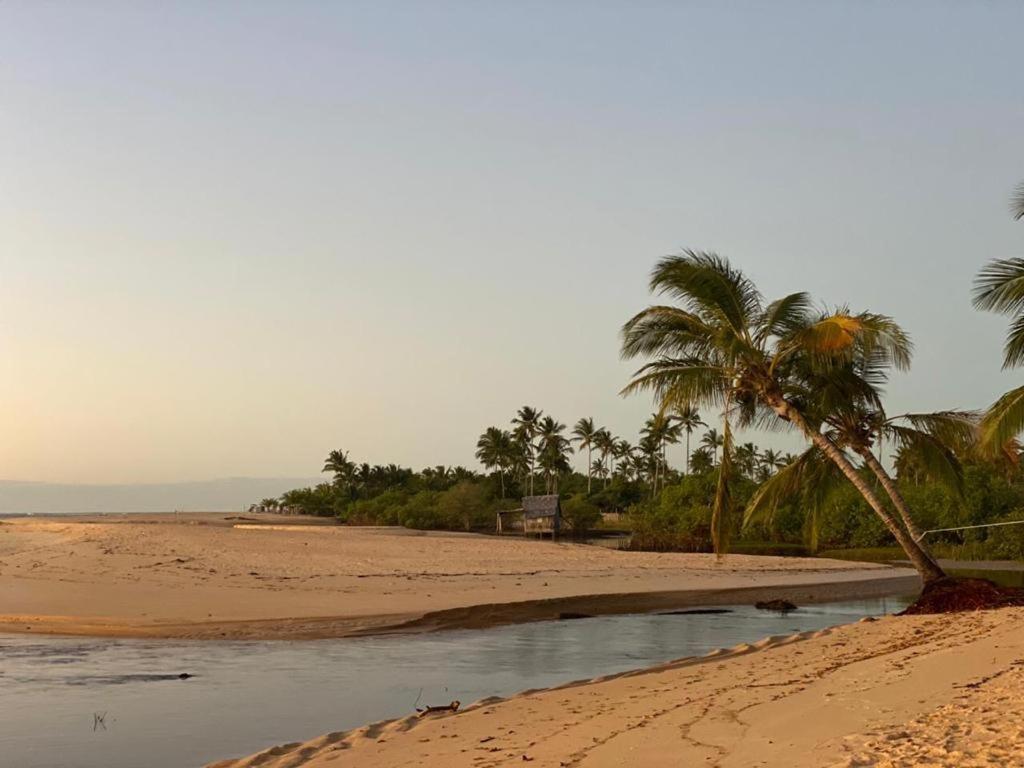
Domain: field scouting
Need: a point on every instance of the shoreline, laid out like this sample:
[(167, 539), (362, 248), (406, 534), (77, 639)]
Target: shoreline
[(879, 692), (479, 616)]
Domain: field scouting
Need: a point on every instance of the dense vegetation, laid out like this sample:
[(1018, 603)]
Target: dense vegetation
[(755, 364)]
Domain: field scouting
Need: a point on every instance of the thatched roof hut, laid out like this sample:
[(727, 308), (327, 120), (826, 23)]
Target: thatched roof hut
[(539, 514)]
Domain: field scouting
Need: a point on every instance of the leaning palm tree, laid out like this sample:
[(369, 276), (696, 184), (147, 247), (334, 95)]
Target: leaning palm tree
[(584, 434), (688, 417), (723, 347)]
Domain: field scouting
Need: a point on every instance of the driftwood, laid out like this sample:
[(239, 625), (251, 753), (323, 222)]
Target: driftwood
[(453, 707)]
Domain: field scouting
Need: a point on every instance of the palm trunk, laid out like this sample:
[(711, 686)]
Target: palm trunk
[(921, 560), (501, 474), (687, 452), (590, 469), (893, 491)]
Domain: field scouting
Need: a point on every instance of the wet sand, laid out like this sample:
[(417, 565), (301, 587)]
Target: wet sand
[(210, 576)]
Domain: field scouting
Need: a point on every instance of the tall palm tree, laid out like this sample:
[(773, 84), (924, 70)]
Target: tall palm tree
[(526, 422), (688, 417), (584, 434), (712, 440), (725, 347)]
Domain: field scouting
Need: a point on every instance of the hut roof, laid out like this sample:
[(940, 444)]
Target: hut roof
[(541, 506)]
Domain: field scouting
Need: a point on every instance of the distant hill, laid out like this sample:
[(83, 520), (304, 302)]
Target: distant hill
[(223, 495)]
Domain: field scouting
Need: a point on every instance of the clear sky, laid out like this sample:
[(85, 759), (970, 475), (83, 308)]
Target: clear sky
[(234, 236)]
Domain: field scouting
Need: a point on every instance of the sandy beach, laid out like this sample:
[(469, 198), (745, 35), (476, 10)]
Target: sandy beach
[(899, 692), (229, 576)]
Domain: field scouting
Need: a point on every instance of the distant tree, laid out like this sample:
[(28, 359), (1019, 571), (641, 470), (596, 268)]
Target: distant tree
[(688, 418), (584, 434), (526, 425), (343, 470), (701, 461), (494, 450), (623, 455), (605, 444), (552, 451), (712, 440), (747, 459), (770, 462)]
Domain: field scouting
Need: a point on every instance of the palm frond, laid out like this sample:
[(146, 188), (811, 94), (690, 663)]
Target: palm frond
[(665, 330), (680, 382), (709, 286), (1017, 202), (999, 286), (811, 481), (1003, 421), (785, 316), (931, 455), (958, 430)]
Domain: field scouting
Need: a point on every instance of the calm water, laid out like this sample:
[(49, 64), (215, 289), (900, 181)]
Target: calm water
[(249, 695)]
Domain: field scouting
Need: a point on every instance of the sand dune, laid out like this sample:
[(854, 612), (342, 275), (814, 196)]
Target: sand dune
[(894, 693), (199, 576)]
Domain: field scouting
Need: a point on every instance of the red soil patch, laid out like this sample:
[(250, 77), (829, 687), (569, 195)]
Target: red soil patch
[(950, 595)]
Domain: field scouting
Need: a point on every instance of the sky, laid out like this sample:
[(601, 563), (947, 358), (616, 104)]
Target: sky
[(236, 236)]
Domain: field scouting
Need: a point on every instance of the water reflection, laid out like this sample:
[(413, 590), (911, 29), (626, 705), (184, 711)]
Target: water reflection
[(245, 696)]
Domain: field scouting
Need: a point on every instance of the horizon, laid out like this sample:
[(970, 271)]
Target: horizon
[(420, 219)]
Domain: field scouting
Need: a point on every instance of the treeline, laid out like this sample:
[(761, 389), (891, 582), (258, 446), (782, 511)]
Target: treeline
[(668, 508), (680, 517)]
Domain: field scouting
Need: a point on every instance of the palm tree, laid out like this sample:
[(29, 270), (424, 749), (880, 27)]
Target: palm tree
[(724, 347), (770, 462), (701, 461), (605, 444), (584, 434), (623, 453), (337, 462), (1017, 202), (494, 449), (747, 459), (553, 451), (712, 441), (688, 418), (526, 422)]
